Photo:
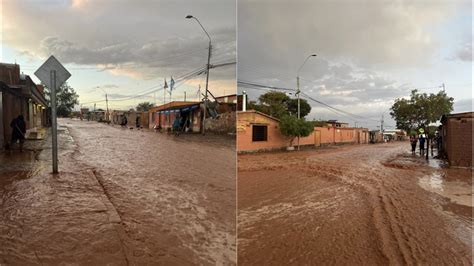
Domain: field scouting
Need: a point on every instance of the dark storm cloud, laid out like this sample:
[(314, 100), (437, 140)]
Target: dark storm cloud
[(142, 37), (173, 55), (358, 44)]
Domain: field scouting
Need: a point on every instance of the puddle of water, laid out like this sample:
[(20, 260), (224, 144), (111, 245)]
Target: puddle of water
[(457, 191), (454, 184)]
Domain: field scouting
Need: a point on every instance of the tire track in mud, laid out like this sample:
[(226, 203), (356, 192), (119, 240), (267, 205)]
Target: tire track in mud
[(383, 219), (401, 245), (398, 245), (391, 192)]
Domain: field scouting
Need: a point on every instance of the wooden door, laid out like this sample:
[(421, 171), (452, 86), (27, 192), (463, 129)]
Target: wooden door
[(317, 138)]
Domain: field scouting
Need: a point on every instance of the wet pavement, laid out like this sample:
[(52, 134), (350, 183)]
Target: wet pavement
[(353, 205), (122, 197)]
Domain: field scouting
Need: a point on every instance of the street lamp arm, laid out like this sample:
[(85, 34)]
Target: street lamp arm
[(203, 29), (101, 89), (299, 69)]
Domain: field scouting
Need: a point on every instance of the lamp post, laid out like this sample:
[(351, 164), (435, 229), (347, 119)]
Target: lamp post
[(207, 76), (298, 82), (298, 88)]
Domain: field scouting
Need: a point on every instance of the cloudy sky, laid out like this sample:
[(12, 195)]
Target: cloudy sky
[(368, 52), (123, 47)]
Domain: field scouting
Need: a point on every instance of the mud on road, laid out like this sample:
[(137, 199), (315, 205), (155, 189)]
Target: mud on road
[(364, 204), (175, 195), (123, 197)]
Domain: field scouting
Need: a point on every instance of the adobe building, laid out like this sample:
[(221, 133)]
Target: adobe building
[(163, 116), (226, 103), (375, 136), (257, 131), (20, 95), (231, 98), (456, 137), (135, 116)]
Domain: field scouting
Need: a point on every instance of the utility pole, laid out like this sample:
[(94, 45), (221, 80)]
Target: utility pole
[(208, 66), (381, 124), (199, 93), (207, 84), (298, 89), (298, 95), (444, 88), (184, 95), (164, 92), (107, 106)]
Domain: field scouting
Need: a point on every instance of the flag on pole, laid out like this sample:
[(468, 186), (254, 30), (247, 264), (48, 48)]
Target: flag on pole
[(171, 85)]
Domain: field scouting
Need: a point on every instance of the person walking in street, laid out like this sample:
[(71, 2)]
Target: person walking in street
[(176, 125), (137, 122), (422, 144), (18, 126), (413, 141), (124, 121)]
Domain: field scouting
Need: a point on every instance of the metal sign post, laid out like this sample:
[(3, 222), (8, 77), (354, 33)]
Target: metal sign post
[(54, 129), (53, 74)]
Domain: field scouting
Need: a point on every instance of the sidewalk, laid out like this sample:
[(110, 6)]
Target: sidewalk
[(55, 219)]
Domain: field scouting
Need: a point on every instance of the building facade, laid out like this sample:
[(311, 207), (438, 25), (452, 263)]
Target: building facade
[(257, 131), (19, 95), (456, 138), (163, 116)]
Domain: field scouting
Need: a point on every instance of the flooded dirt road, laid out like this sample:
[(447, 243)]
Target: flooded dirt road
[(123, 197), (353, 205)]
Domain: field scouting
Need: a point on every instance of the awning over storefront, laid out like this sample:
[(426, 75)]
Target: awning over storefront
[(178, 110)]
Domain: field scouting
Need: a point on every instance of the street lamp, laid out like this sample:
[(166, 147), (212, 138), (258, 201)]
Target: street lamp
[(207, 76), (298, 88), (298, 82)]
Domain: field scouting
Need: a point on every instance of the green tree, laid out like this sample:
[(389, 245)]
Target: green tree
[(292, 127), (305, 108), (273, 103), (66, 99), (278, 104), (144, 106), (420, 110)]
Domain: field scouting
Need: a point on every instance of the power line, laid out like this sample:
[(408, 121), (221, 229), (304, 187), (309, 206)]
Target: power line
[(147, 91), (339, 111), (334, 108), (252, 84)]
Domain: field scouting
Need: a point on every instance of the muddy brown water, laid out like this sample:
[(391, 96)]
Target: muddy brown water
[(353, 205), (122, 197)]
